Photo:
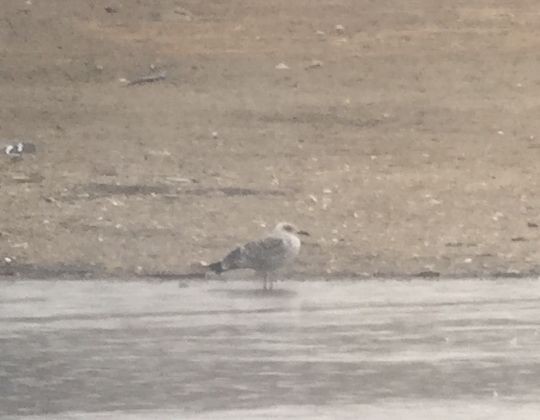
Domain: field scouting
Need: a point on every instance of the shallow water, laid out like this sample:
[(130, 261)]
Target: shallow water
[(381, 349)]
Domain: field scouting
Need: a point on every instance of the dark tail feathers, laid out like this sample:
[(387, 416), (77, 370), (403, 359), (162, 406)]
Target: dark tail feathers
[(216, 267)]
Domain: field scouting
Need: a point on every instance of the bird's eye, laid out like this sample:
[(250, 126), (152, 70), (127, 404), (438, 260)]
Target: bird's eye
[(288, 228)]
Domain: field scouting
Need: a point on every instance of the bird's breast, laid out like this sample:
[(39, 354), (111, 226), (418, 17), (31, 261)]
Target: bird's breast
[(293, 244)]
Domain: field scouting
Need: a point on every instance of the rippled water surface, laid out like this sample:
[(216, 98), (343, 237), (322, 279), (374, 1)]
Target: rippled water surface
[(377, 349)]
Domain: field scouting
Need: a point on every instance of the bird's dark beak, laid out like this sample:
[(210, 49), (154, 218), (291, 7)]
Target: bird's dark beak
[(303, 232)]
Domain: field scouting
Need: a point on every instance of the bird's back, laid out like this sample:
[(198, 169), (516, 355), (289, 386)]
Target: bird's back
[(265, 254)]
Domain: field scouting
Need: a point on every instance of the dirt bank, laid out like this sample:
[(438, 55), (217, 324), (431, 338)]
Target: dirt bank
[(405, 140)]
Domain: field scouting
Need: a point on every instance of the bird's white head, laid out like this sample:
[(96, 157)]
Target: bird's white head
[(289, 228)]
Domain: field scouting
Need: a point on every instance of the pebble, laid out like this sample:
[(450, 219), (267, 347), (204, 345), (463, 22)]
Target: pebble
[(314, 64)]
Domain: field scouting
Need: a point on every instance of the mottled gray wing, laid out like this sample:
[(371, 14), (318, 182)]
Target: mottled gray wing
[(263, 254)]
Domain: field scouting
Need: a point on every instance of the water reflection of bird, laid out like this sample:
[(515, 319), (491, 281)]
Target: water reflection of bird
[(265, 255)]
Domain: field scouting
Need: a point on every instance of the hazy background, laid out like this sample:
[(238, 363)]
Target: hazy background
[(402, 135)]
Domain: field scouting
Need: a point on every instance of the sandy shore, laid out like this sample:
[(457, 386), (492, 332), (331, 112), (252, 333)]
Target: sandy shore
[(405, 141)]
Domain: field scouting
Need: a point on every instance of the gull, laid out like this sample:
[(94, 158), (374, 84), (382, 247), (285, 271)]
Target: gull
[(265, 255)]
